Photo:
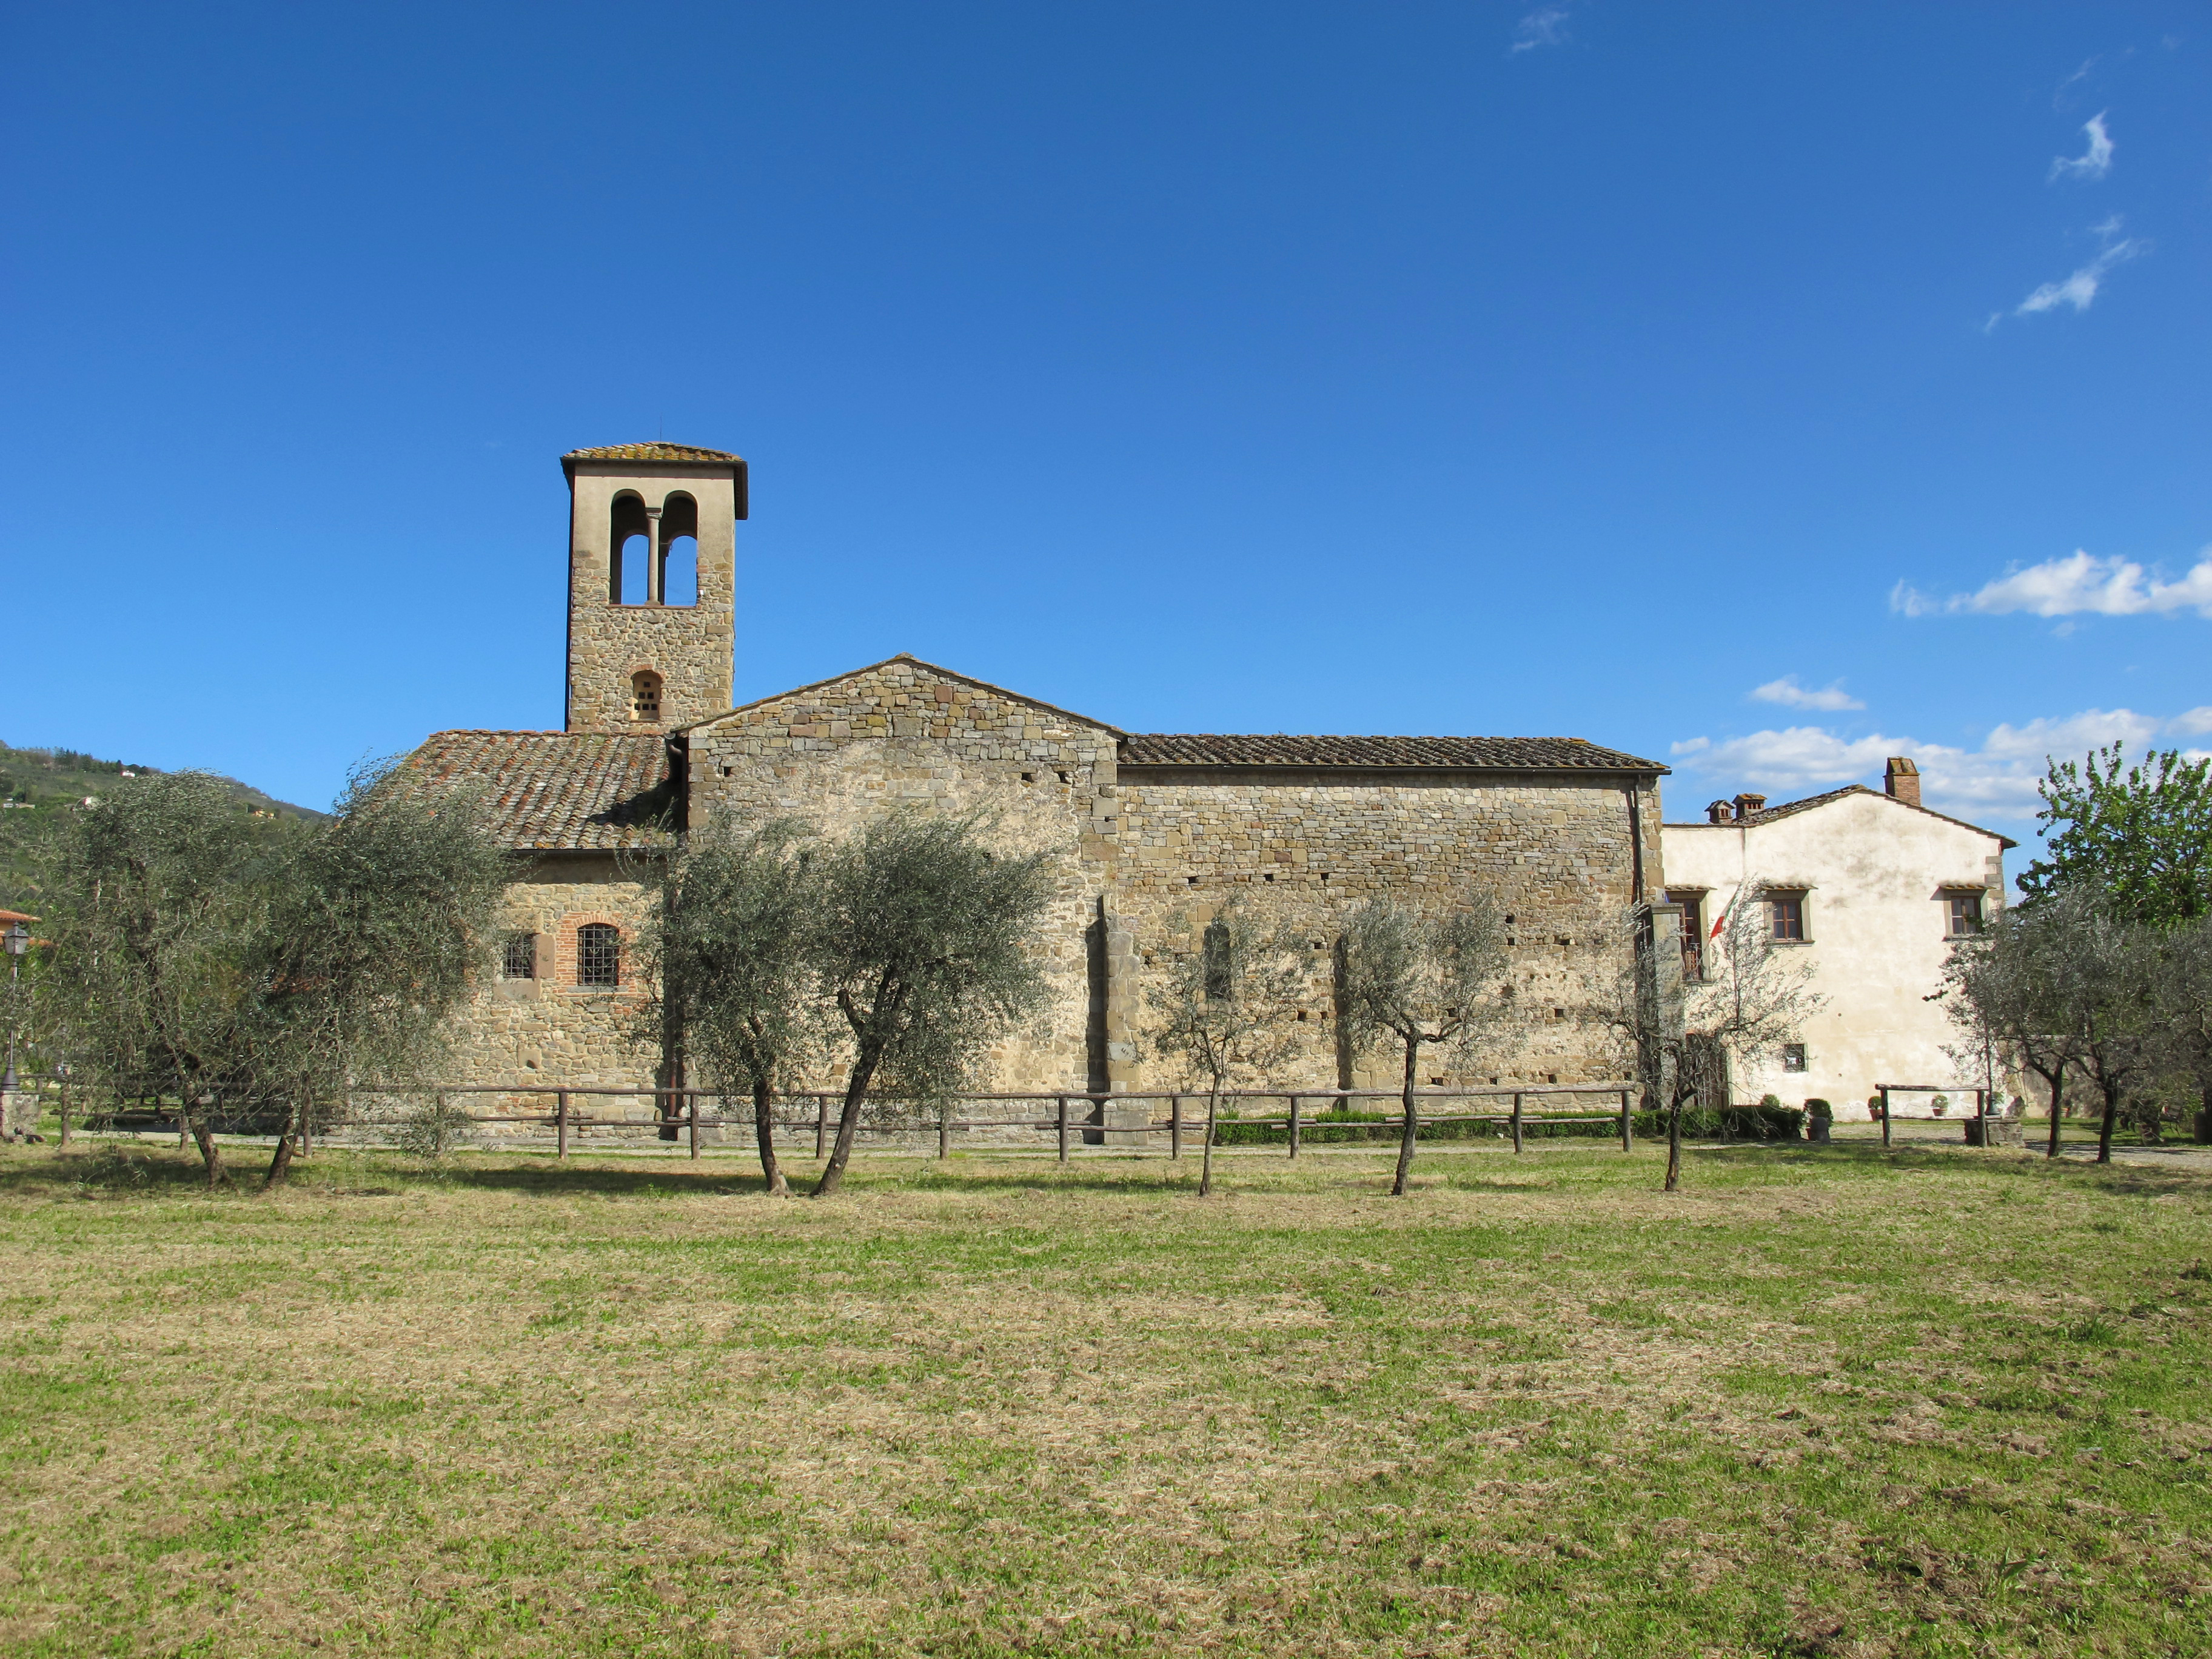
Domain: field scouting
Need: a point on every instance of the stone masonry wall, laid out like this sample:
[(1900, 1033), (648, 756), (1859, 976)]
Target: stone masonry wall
[(1141, 862), (1554, 851), (841, 753), (534, 1034)]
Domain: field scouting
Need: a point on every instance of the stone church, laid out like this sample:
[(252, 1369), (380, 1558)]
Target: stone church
[(1149, 831)]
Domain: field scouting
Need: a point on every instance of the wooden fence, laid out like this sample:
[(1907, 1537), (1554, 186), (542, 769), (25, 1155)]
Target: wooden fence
[(1134, 1121)]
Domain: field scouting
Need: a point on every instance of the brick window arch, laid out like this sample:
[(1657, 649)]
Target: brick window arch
[(598, 955)]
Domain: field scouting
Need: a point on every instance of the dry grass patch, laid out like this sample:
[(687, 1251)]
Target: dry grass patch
[(1825, 1402)]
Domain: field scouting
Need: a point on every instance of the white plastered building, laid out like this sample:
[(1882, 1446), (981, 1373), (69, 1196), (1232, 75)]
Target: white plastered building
[(1875, 889)]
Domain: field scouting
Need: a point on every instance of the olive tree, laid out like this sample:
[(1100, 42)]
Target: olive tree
[(1419, 980), (2108, 1001), (2015, 982), (156, 901), (732, 942), (379, 923), (1225, 1005), (1755, 993), (2183, 987), (208, 955), (926, 940)]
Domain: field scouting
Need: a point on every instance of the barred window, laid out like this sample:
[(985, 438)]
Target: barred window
[(1793, 1056), (518, 959), (598, 955)]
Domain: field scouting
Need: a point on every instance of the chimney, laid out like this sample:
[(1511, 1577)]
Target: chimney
[(1747, 804), (1902, 779), (1719, 813)]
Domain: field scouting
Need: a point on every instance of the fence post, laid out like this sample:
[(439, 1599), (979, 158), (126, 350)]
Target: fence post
[(1628, 1128), (694, 1096), (1174, 1126), (1295, 1103), (1517, 1126), (821, 1125), (561, 1118), (64, 1110), (1063, 1128), (306, 1121), (1883, 1089), (943, 1130)]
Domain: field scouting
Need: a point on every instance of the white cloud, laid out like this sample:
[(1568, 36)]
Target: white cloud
[(1997, 778), (2080, 584), (1786, 692), (1546, 26), (2079, 289), (2059, 93), (2096, 162)]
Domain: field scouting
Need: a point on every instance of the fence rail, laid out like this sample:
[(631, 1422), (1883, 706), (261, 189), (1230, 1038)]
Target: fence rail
[(1129, 1122)]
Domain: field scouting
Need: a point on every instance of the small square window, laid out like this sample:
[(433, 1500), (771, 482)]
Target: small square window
[(518, 957), (1786, 915), (1966, 913), (1793, 1056)]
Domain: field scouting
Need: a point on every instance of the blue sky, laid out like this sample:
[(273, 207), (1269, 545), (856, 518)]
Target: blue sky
[(1767, 389)]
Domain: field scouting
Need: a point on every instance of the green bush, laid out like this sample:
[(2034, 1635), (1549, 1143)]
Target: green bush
[(1819, 1111)]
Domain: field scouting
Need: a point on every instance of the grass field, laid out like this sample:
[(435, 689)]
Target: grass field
[(1825, 1402)]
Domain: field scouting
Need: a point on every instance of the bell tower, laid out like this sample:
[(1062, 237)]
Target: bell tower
[(652, 584)]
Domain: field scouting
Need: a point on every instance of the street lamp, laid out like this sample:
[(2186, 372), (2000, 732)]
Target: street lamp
[(18, 939)]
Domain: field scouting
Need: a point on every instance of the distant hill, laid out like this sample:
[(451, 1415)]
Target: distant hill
[(39, 785)]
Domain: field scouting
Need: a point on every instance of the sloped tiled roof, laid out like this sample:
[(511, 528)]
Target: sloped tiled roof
[(1469, 754), (652, 452), (1791, 808), (556, 791), (928, 667)]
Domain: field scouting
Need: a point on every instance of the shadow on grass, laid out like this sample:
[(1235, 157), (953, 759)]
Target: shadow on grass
[(1872, 1161), (111, 1170)]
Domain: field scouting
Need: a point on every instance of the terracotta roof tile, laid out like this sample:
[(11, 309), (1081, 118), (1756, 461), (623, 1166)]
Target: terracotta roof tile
[(652, 451), (556, 791), (1467, 754)]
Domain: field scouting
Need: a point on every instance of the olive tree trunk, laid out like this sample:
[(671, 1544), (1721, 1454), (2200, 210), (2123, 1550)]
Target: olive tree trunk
[(764, 1135), (1412, 1120)]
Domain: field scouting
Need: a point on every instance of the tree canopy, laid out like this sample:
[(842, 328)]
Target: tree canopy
[(923, 937), (195, 962), (2139, 834), (1418, 978)]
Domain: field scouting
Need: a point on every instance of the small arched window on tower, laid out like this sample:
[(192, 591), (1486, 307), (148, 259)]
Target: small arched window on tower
[(645, 697), (679, 551), (599, 956), (629, 550)]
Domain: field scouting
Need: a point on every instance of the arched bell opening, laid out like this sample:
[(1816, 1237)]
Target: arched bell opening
[(629, 550), (679, 551)]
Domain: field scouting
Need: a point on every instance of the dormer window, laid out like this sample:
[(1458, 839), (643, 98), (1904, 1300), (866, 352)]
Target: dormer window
[(645, 697)]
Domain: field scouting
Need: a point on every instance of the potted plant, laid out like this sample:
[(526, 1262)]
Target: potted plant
[(1819, 1114), (1940, 1105)]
